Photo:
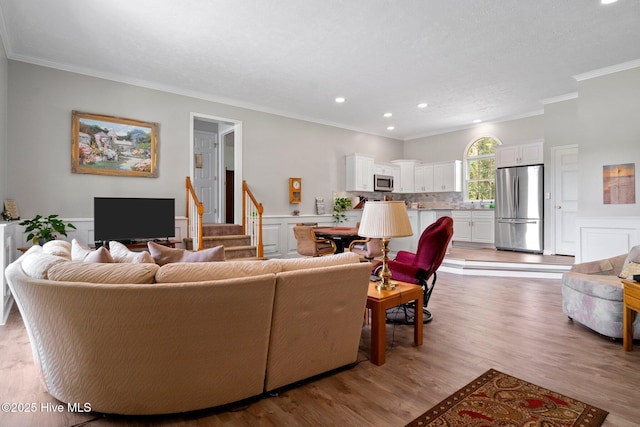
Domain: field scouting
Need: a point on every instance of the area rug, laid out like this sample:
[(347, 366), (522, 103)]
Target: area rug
[(497, 399)]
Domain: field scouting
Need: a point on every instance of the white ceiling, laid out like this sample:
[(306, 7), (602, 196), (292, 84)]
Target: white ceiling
[(469, 59)]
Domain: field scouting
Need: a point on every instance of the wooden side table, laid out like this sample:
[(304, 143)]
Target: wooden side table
[(379, 301), (631, 306)]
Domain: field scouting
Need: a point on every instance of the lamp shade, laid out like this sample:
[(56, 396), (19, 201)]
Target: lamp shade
[(385, 220)]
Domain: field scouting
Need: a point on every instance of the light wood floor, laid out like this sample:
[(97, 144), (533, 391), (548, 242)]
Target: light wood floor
[(512, 325)]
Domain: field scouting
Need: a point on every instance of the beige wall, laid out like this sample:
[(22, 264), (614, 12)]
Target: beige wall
[(274, 147), (451, 145), (609, 134), (4, 82)]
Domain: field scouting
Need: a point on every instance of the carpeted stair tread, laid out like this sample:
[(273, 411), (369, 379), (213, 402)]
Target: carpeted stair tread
[(221, 229)]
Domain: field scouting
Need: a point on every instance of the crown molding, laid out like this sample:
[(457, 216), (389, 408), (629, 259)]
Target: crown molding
[(607, 70), (565, 97)]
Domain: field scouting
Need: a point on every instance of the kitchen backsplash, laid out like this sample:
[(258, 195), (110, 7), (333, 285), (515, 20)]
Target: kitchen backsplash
[(451, 200)]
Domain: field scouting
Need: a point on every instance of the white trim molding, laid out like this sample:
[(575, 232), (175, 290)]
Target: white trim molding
[(605, 237)]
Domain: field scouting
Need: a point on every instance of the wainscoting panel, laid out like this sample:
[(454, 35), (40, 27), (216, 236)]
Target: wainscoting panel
[(85, 231), (606, 237)]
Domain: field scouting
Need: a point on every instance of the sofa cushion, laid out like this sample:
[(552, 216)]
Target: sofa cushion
[(604, 287), (603, 266), (80, 252), (116, 273), (164, 255), (291, 264), (201, 271), (36, 263), (58, 247), (630, 270), (121, 253)]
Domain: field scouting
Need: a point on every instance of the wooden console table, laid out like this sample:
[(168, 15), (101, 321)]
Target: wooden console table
[(631, 306), (379, 301)]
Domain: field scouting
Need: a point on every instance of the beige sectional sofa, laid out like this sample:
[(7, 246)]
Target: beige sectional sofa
[(139, 338)]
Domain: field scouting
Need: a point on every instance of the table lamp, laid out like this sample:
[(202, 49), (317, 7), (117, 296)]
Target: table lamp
[(383, 220)]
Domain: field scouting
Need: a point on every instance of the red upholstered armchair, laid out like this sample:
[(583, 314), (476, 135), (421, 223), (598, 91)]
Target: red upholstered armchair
[(419, 267)]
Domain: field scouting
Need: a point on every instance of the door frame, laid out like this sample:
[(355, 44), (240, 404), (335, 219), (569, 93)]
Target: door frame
[(554, 199), (237, 160)]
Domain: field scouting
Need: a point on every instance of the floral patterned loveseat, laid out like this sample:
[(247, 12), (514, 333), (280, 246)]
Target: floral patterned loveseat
[(592, 293)]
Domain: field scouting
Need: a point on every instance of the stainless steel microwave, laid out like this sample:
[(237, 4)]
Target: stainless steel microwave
[(383, 182)]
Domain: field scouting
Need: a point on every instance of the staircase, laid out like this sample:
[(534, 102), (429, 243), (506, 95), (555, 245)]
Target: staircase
[(237, 246)]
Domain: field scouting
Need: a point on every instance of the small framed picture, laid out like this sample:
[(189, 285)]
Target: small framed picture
[(10, 210)]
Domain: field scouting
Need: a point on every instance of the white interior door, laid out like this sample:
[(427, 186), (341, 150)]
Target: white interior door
[(206, 174), (566, 199)]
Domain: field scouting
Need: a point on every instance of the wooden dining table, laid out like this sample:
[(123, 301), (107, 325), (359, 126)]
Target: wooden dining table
[(341, 236)]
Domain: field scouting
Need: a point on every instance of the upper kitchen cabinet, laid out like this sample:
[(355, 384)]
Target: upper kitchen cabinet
[(447, 176), (360, 171), (519, 155), (438, 177), (406, 183), (424, 178)]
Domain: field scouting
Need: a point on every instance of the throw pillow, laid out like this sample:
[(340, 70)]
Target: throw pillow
[(36, 263), (58, 247), (164, 255), (631, 269), (80, 252), (121, 253), (113, 273)]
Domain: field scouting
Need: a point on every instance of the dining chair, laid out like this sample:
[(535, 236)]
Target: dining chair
[(308, 244), (368, 248)]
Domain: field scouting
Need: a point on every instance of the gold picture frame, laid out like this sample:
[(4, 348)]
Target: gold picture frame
[(107, 145)]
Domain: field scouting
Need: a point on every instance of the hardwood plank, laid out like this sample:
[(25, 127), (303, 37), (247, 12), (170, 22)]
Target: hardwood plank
[(512, 325)]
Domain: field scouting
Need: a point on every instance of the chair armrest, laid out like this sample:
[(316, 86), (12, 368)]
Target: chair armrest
[(355, 242), (407, 269)]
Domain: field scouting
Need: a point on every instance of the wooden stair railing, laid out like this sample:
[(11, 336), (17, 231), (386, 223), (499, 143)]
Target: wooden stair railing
[(252, 219), (195, 210)]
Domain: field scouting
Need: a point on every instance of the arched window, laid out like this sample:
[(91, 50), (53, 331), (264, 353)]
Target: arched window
[(480, 169)]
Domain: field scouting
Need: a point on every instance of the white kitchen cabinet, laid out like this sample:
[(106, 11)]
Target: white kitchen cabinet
[(438, 177), (386, 169), (360, 170), (447, 176), (406, 183), (519, 155), (7, 256), (473, 226), (426, 218), (409, 244), (424, 178)]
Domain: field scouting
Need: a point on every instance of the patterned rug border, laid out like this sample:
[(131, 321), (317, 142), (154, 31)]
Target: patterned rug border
[(591, 416)]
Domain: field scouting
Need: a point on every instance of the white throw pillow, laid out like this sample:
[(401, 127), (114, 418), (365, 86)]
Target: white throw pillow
[(58, 247), (36, 263), (80, 252), (121, 253)]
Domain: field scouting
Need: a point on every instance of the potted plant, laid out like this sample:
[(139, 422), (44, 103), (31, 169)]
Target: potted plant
[(43, 229), (340, 205)]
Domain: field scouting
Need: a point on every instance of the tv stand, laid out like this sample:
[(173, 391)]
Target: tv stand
[(143, 245)]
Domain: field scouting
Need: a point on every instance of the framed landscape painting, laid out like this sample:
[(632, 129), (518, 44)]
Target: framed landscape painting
[(106, 145)]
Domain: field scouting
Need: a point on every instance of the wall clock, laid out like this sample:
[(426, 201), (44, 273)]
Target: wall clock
[(295, 190)]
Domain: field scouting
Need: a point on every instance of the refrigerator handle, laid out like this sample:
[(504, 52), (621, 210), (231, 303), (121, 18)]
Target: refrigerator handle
[(517, 193)]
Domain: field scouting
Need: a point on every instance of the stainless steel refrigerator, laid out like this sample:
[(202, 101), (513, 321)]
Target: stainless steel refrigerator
[(519, 209)]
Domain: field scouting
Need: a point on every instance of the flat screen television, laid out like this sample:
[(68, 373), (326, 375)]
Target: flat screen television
[(128, 219)]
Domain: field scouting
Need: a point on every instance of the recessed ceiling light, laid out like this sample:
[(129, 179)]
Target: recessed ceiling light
[(391, 127), (340, 100), (388, 114), (477, 121), (608, 1), (422, 105)]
